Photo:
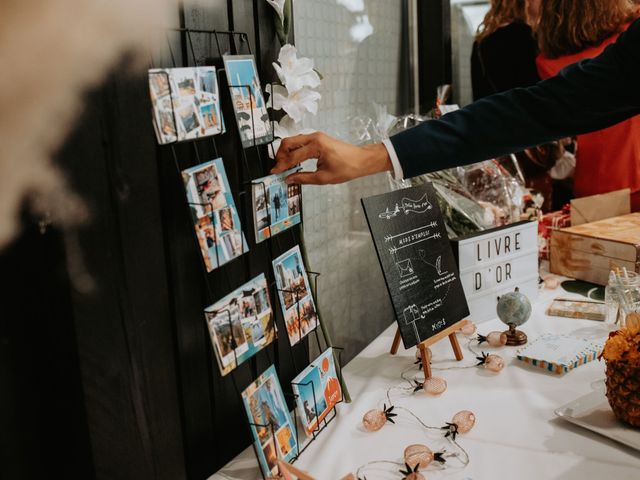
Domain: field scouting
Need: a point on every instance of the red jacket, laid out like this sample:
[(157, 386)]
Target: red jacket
[(607, 159)]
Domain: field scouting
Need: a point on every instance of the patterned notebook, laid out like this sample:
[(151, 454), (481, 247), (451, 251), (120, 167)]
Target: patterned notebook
[(559, 353)]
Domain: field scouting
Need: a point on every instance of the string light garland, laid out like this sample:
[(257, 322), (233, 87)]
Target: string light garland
[(418, 457)]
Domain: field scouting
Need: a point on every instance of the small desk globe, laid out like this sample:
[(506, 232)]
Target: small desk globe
[(514, 309)]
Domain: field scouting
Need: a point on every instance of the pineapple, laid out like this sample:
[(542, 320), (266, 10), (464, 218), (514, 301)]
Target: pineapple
[(622, 354)]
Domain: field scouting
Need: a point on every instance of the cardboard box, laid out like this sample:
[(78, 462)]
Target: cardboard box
[(591, 250)]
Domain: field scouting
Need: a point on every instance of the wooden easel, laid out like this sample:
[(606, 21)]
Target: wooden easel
[(422, 346)]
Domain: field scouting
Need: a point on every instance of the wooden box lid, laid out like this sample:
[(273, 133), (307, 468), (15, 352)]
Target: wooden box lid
[(617, 237)]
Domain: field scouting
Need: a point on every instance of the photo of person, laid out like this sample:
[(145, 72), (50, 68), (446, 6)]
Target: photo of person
[(236, 328), (209, 189), (208, 80), (261, 299), (269, 418), (292, 278), (294, 199), (247, 309), (276, 205), (247, 99), (278, 202), (225, 219), (209, 116), (221, 331), (207, 241)]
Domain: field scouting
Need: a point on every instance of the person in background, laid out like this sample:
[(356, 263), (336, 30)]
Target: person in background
[(569, 31), (504, 51), (504, 57)]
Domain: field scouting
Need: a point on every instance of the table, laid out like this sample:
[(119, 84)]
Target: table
[(516, 436)]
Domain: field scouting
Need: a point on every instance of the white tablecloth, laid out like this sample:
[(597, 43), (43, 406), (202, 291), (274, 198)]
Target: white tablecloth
[(516, 436)]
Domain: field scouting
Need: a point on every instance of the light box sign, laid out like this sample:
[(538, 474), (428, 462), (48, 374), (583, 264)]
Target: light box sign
[(494, 262)]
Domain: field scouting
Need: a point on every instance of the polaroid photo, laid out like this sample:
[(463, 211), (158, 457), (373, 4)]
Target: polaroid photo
[(248, 100), (159, 85), (214, 213), (189, 120), (225, 219), (271, 424), (232, 244), (207, 241), (276, 205), (294, 292), (186, 96), (205, 186), (184, 81), (317, 389), (241, 324)]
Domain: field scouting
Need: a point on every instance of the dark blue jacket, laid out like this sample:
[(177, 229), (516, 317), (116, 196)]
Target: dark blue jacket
[(588, 96)]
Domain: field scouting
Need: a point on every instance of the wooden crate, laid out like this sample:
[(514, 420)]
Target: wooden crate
[(591, 250)]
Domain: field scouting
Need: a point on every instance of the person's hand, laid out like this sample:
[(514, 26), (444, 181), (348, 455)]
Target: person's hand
[(338, 161)]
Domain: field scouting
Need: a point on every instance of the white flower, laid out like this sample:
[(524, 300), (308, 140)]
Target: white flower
[(278, 6), (285, 128), (295, 73), (296, 104)]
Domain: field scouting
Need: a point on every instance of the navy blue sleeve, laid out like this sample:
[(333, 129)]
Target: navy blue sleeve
[(588, 96)]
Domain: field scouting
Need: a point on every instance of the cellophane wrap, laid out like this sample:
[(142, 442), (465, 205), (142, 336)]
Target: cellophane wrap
[(472, 198)]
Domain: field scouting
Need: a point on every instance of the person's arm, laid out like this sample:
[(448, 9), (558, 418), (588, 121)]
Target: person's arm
[(588, 96)]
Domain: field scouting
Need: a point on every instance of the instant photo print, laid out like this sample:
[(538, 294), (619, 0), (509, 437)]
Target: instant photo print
[(298, 307), (248, 101), (271, 424), (214, 214), (186, 103), (276, 205), (241, 324)]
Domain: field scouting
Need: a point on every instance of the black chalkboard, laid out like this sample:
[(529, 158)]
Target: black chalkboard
[(417, 261)]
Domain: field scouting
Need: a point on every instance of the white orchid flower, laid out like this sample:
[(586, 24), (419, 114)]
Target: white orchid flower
[(278, 6), (285, 128), (296, 104), (295, 73)]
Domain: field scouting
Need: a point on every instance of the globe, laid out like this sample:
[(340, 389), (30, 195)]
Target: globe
[(514, 307)]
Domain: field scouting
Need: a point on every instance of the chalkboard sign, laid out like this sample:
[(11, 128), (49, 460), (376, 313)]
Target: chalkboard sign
[(417, 261)]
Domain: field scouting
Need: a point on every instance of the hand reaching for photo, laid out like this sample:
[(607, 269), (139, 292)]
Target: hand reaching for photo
[(338, 161)]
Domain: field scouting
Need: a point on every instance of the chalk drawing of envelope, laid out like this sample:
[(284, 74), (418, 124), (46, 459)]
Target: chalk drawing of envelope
[(405, 267)]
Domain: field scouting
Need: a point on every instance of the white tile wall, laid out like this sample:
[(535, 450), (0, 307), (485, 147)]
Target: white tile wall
[(352, 296), (466, 16)]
